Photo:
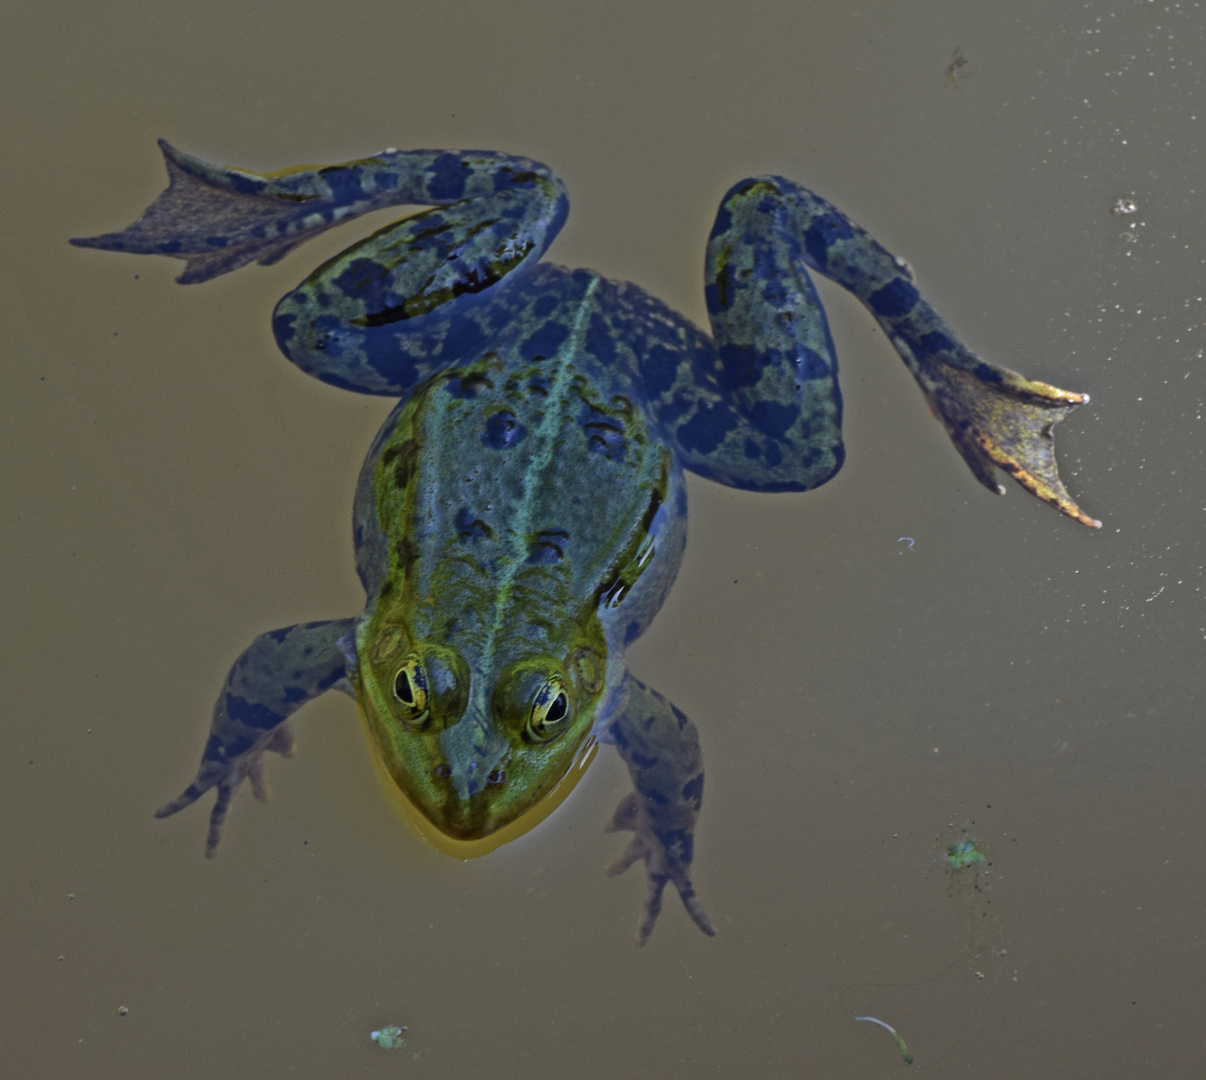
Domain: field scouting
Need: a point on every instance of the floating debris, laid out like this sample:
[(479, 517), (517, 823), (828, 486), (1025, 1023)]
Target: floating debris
[(900, 1043), (954, 70), (1125, 206), (389, 1038), (963, 854)]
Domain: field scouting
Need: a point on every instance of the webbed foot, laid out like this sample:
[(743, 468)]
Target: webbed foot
[(667, 858), (998, 419), (219, 219), (227, 778)]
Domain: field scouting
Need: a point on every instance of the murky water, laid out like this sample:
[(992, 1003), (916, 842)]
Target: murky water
[(173, 487)]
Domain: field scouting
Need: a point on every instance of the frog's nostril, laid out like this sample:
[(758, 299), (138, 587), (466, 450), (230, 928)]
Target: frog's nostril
[(443, 770), (497, 776)]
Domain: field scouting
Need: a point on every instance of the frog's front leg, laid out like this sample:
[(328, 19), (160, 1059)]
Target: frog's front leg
[(759, 408), (278, 673), (661, 749)]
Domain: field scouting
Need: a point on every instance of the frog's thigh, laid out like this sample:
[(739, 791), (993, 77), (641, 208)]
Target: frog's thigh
[(420, 294), (761, 409)]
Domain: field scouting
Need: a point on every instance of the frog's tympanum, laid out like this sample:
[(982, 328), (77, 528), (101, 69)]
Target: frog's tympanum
[(522, 513)]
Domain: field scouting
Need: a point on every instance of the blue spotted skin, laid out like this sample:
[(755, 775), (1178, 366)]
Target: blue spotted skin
[(521, 514)]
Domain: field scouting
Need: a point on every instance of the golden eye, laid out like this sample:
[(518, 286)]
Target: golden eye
[(410, 692), (550, 711)]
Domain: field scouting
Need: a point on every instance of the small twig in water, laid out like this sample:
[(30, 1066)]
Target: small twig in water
[(954, 70), (900, 1043)]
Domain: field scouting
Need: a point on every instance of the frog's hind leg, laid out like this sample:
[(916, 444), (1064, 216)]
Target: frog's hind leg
[(661, 749), (996, 418), (278, 673), (394, 308), (766, 412)]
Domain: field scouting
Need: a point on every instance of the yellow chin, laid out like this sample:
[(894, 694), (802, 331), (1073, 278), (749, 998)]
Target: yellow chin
[(474, 849)]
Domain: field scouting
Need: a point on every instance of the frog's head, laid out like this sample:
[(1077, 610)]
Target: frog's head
[(473, 745)]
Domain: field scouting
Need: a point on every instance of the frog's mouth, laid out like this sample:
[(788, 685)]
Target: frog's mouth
[(490, 817), (471, 819), (486, 784)]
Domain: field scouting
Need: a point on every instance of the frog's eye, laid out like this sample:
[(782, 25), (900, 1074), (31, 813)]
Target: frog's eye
[(550, 712), (410, 692)]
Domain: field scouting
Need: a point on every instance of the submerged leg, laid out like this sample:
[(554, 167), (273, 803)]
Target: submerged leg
[(762, 409), (661, 749), (278, 673), (353, 321)]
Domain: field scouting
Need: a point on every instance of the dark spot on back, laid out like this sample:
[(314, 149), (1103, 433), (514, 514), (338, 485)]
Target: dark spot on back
[(467, 385), (403, 457), (406, 553), (545, 341), (548, 547), (503, 431), (469, 528), (604, 432)]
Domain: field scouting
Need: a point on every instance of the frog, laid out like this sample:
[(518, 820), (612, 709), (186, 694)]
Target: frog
[(521, 514)]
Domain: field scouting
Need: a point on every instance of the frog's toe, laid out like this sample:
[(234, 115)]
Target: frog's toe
[(226, 784), (664, 863), (251, 768), (625, 818), (660, 870), (186, 798), (217, 816), (280, 742), (227, 776), (260, 788), (634, 851), (686, 893)]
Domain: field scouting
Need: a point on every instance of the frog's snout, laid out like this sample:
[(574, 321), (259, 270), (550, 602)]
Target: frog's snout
[(473, 779), (474, 765), (469, 812)]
